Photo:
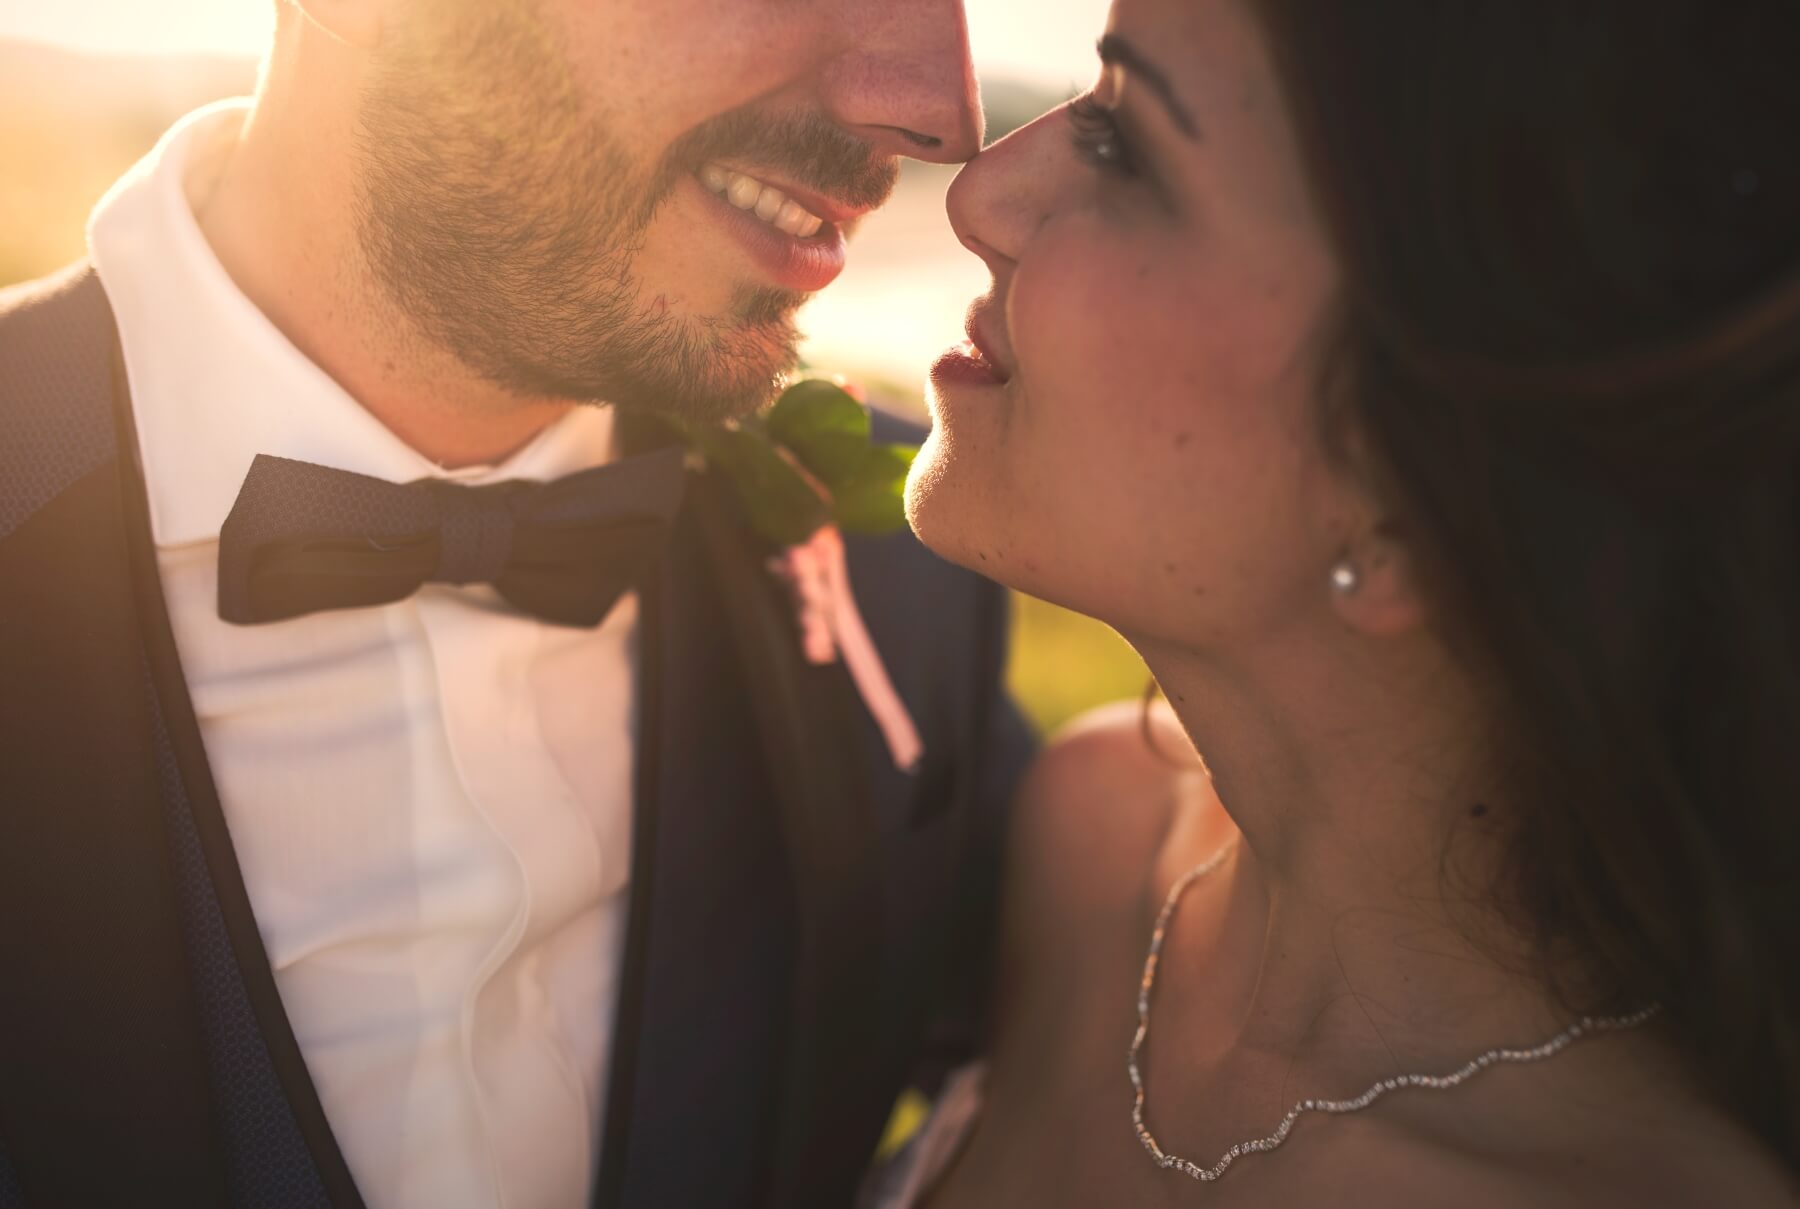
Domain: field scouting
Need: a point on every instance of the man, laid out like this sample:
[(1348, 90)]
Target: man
[(485, 889)]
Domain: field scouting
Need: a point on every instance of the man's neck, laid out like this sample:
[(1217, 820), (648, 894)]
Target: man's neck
[(277, 207)]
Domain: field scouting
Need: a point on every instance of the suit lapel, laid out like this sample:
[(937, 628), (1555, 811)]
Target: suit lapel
[(698, 1042), (103, 1091), (754, 960), (810, 724), (126, 970), (291, 1142)]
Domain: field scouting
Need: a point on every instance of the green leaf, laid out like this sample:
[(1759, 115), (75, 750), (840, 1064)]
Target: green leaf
[(781, 504), (822, 426), (873, 501)]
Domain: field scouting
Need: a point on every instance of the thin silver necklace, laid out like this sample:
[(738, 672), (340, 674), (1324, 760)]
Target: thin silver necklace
[(1585, 1026)]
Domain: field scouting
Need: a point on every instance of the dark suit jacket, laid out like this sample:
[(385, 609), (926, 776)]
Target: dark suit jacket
[(801, 913)]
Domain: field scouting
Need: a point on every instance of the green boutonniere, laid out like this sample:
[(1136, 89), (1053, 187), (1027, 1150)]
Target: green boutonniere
[(808, 471), (808, 462)]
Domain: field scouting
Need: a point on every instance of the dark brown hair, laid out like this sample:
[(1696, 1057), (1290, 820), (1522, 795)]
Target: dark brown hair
[(1568, 345)]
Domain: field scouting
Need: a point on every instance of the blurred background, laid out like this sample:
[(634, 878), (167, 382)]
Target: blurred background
[(87, 87)]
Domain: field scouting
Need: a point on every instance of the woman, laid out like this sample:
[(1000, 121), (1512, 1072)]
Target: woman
[(1417, 386)]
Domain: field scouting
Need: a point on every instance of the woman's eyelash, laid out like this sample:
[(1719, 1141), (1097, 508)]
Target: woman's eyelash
[(1097, 137)]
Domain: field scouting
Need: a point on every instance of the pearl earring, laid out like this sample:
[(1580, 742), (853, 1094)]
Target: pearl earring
[(1345, 578)]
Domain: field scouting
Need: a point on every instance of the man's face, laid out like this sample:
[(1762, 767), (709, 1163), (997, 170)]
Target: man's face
[(626, 200)]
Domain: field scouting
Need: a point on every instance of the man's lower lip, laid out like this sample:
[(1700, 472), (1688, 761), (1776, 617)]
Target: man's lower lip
[(961, 367), (802, 265)]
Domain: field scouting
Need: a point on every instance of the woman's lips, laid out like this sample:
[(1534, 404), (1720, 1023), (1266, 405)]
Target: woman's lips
[(975, 361), (967, 365), (804, 266)]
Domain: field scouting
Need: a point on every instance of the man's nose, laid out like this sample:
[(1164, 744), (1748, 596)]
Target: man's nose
[(904, 81)]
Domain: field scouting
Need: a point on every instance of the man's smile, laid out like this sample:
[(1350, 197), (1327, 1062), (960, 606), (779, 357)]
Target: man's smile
[(796, 237), (765, 201)]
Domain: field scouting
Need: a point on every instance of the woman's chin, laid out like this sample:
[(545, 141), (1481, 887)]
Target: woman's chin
[(944, 514), (924, 485)]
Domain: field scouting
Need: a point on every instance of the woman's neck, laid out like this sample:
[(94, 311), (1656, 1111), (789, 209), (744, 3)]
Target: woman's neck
[(1357, 907)]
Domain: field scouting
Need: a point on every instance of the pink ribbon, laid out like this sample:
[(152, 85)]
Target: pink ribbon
[(831, 627)]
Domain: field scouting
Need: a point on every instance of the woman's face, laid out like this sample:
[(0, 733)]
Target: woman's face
[(1132, 433)]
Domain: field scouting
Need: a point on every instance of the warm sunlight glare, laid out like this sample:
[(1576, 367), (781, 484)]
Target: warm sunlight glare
[(1048, 39), (909, 282), (236, 27)]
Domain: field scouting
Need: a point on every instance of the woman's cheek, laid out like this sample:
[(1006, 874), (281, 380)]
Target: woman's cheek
[(1110, 373), (1142, 479)]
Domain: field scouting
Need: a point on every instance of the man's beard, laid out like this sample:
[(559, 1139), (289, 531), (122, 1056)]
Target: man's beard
[(504, 221)]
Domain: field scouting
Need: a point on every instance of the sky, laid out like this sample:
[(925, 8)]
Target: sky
[(1050, 40)]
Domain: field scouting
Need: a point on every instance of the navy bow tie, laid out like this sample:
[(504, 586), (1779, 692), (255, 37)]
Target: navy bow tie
[(304, 538)]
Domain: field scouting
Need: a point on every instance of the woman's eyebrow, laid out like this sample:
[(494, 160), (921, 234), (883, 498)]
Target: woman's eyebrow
[(1117, 52)]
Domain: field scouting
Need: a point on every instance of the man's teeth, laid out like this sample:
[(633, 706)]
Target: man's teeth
[(765, 201)]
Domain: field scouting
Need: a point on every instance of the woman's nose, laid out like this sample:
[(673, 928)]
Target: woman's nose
[(999, 201)]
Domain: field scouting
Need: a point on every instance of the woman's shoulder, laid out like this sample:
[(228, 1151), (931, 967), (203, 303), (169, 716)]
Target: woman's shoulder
[(1094, 813), (1679, 1177), (1660, 1148)]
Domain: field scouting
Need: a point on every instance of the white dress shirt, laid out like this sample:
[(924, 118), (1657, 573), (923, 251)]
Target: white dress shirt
[(431, 800)]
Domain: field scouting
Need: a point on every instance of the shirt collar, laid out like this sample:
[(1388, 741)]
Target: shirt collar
[(214, 382)]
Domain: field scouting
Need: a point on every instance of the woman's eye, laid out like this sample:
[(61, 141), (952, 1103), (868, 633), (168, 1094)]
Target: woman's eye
[(1097, 137)]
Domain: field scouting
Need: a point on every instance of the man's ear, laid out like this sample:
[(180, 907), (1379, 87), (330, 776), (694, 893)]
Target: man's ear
[(353, 22)]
